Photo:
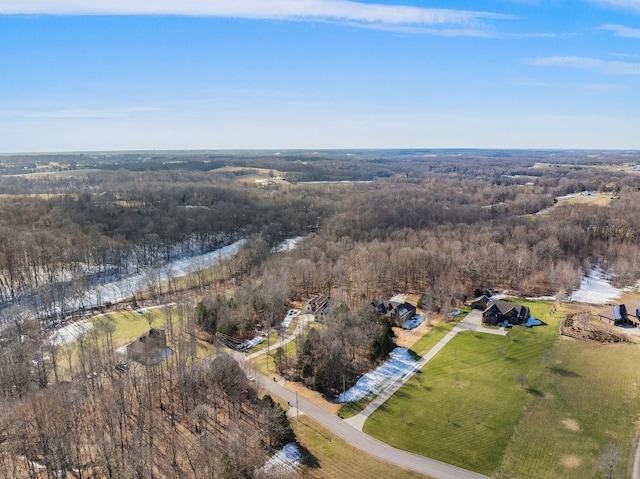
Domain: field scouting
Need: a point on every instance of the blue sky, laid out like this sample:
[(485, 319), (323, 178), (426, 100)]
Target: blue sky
[(218, 74)]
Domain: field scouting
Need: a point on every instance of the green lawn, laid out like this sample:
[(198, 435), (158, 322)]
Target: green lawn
[(130, 324), (429, 340), (463, 407), (590, 399)]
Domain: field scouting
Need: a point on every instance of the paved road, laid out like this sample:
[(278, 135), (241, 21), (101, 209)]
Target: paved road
[(407, 460)]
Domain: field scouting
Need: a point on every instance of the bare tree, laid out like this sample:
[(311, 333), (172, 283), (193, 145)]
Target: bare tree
[(610, 459), (522, 380)]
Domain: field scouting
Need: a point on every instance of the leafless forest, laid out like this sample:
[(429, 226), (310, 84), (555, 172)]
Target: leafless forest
[(441, 224)]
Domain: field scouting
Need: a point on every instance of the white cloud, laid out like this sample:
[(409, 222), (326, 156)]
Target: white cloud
[(332, 10), (622, 31), (626, 4), (585, 63)]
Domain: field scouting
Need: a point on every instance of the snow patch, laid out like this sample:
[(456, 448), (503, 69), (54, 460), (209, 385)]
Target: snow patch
[(288, 244), (374, 382), (414, 322), (284, 462), (291, 314), (71, 332), (595, 289), (399, 298), (250, 344)]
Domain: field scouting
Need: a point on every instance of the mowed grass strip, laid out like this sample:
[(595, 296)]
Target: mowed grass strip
[(590, 399), (462, 408), (331, 457)]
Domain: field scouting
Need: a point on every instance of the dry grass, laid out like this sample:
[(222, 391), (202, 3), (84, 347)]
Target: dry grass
[(254, 175), (599, 199), (597, 387), (331, 457)]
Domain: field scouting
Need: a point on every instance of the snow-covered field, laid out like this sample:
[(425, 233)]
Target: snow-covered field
[(121, 289), (374, 382), (284, 462), (595, 289), (288, 244)]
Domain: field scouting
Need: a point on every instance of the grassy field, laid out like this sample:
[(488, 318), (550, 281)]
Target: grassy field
[(468, 406), (331, 457), (462, 408), (429, 340), (589, 399), (130, 324), (266, 364)]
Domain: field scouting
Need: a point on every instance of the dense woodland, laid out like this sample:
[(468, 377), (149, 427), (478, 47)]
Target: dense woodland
[(442, 224), (100, 418)]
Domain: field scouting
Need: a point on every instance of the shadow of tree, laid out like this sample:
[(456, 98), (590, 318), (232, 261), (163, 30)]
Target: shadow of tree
[(309, 459), (564, 372)]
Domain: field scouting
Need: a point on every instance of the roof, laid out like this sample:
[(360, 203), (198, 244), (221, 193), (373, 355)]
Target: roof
[(620, 311), (612, 312), (505, 307), (484, 297)]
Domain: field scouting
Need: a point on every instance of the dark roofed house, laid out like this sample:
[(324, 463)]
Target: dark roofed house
[(401, 313), (397, 312), (499, 311), (319, 306), (150, 348), (381, 307), (480, 302)]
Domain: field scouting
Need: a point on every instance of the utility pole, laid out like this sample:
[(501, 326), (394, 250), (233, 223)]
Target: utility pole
[(268, 352), (344, 392), (297, 410)]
